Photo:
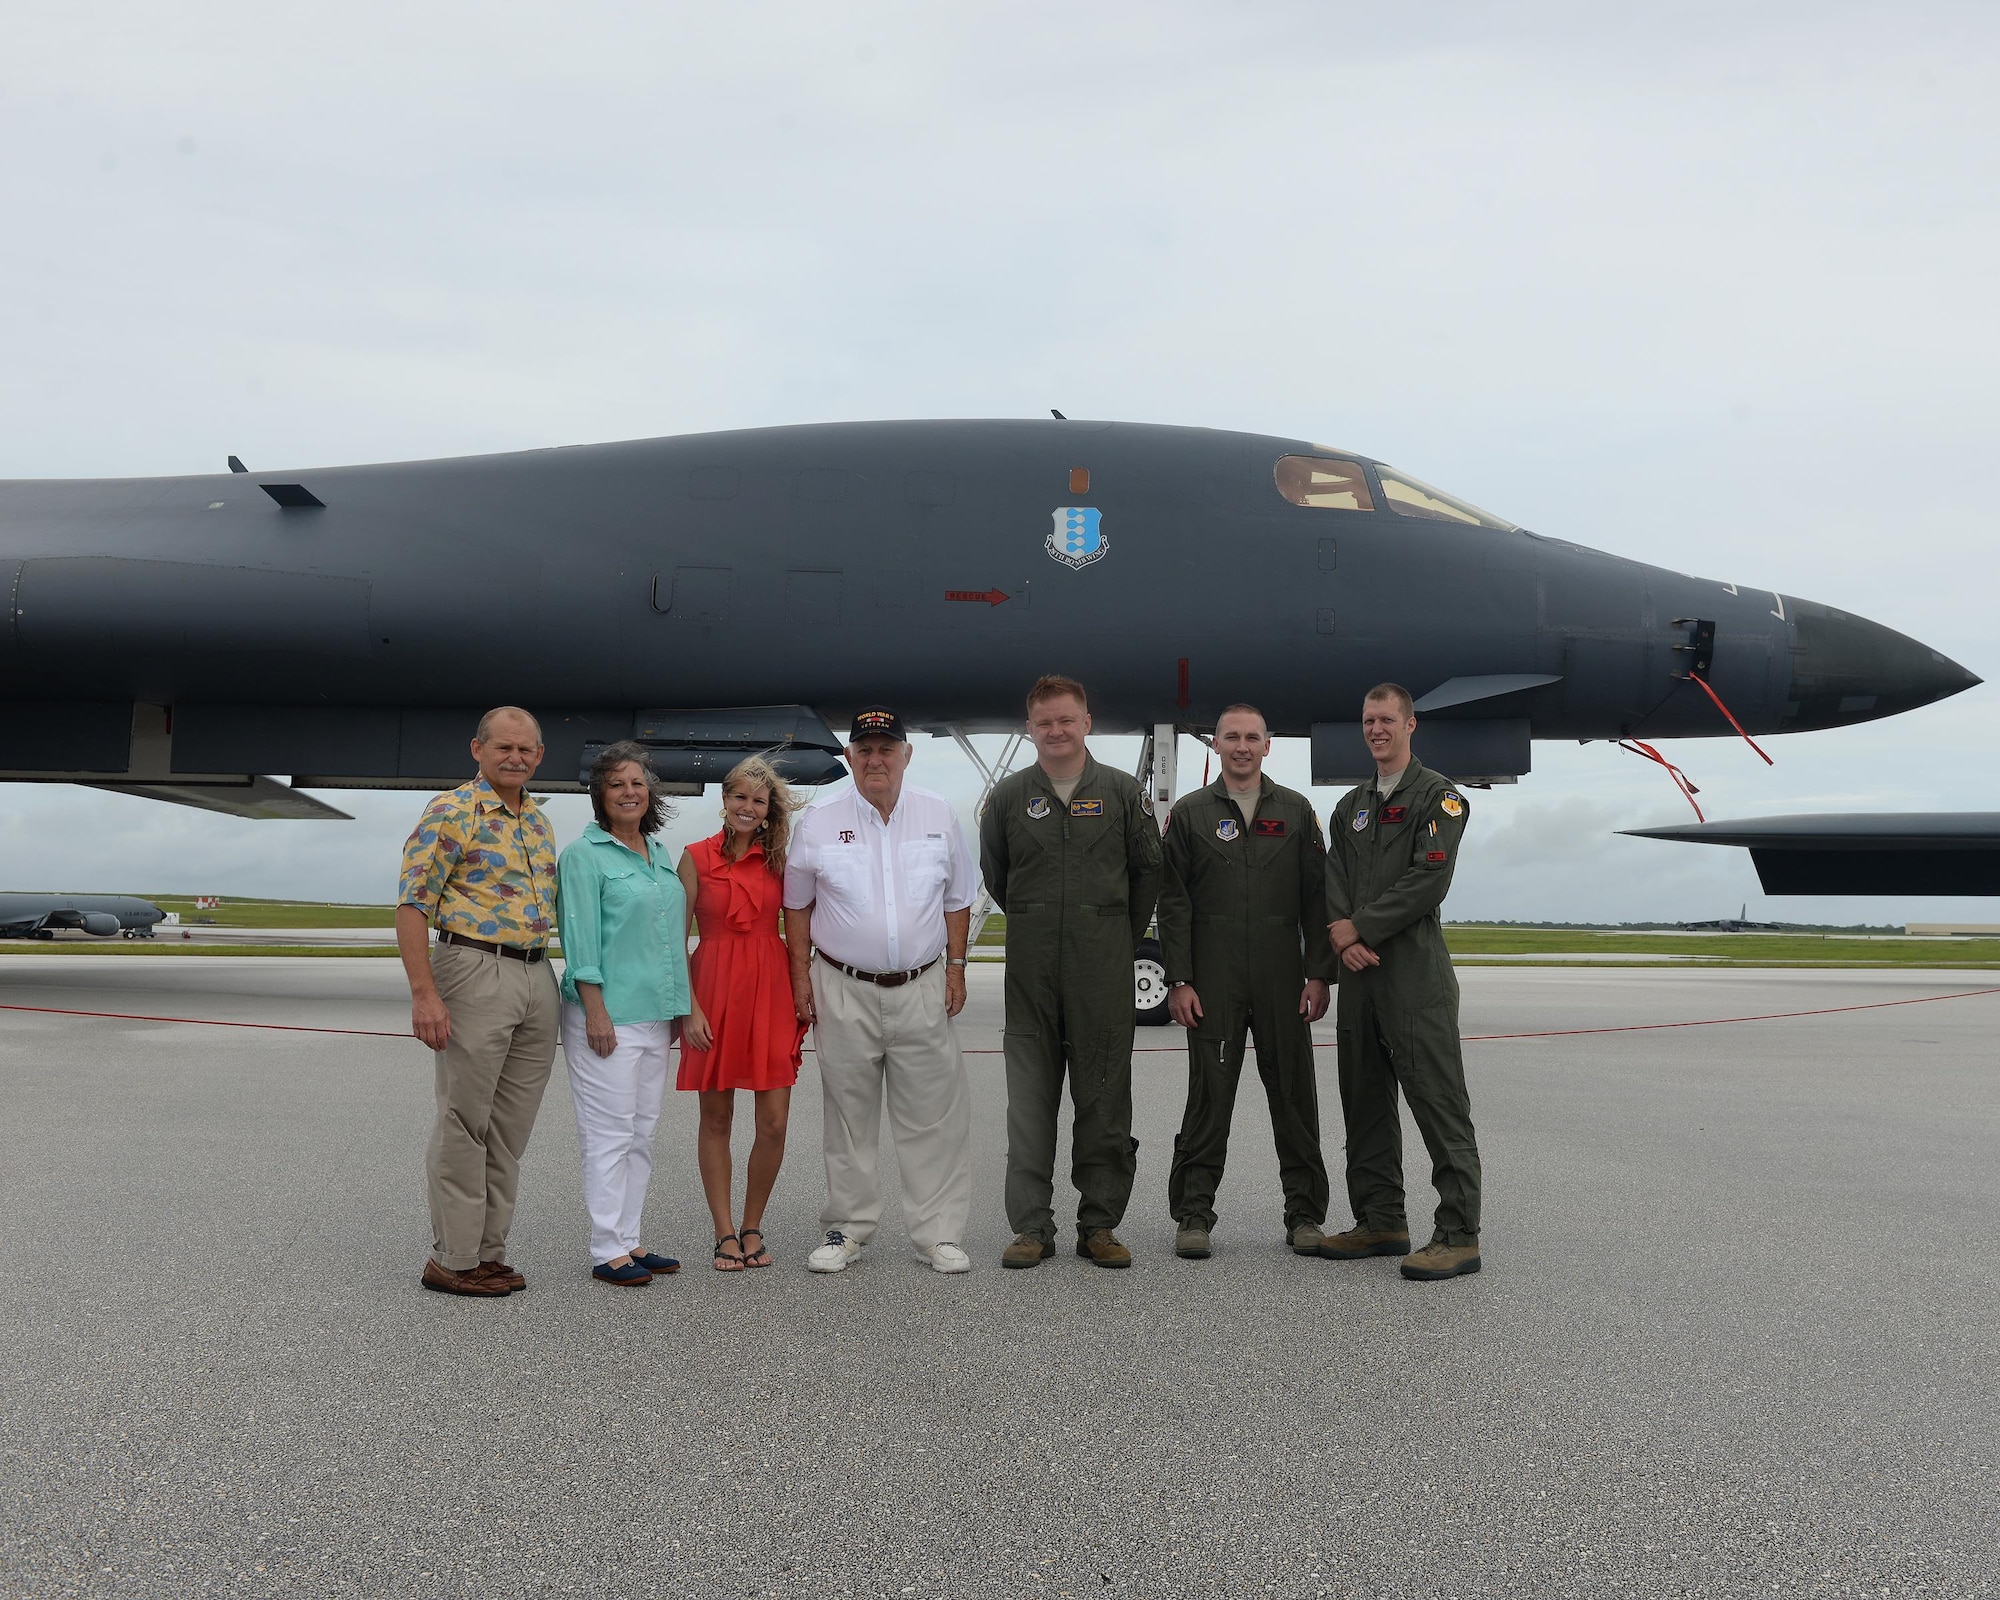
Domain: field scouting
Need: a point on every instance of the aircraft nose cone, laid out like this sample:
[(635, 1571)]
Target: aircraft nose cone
[(1848, 669)]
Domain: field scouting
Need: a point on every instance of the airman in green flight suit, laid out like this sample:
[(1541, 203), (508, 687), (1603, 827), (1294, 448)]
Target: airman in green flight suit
[(1392, 845), (1243, 930), (1071, 854)]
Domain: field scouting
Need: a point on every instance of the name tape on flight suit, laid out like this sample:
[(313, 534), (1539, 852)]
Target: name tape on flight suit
[(1086, 808), (1269, 827), (1394, 813)]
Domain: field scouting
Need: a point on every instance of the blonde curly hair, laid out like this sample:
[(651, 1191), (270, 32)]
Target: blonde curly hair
[(756, 772)]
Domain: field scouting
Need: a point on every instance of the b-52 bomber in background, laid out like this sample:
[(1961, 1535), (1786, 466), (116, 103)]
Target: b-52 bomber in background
[(709, 595)]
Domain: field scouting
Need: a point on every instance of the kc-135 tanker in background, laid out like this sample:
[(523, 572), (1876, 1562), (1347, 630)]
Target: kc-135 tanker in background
[(186, 638)]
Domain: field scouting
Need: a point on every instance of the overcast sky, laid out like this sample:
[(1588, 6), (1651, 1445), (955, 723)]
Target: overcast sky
[(1711, 286)]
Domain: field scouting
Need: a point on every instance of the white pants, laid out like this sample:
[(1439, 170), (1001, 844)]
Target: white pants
[(868, 1038), (617, 1099)]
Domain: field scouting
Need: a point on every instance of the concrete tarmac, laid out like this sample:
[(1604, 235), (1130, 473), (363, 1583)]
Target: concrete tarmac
[(1738, 1331)]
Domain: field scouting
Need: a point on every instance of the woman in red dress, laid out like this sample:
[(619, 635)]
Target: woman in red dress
[(743, 988)]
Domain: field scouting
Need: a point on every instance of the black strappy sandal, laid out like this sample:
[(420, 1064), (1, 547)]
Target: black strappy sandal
[(750, 1260), (722, 1255)]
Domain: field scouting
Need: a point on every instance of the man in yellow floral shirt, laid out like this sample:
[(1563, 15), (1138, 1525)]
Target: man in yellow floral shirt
[(481, 869)]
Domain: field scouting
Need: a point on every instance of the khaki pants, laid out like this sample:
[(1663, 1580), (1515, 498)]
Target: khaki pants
[(867, 1039), (490, 1080)]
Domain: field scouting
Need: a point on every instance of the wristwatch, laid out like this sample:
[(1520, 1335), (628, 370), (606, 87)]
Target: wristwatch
[(954, 961)]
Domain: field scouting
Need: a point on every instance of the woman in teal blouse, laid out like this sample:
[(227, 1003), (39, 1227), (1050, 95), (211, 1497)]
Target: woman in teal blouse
[(623, 918)]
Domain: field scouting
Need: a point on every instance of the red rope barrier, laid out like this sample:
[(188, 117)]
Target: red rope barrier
[(1144, 1049)]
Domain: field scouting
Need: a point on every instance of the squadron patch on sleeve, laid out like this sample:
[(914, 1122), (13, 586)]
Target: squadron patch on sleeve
[(1086, 808), (1269, 827), (1360, 819), (1038, 806), (1225, 830), (1451, 805), (1434, 855)]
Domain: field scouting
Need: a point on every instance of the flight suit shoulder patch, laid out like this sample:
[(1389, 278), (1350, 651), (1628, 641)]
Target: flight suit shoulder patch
[(1451, 804)]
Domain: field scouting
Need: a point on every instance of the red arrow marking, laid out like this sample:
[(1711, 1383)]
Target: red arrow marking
[(991, 596)]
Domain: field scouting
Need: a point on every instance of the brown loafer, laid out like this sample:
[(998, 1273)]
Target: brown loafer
[(1358, 1242), (499, 1272), (475, 1283), (1103, 1247)]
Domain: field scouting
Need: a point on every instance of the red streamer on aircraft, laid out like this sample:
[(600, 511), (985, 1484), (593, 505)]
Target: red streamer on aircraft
[(1719, 706), (1639, 747)]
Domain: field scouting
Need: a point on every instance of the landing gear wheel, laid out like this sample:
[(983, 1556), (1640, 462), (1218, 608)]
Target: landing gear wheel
[(1149, 984)]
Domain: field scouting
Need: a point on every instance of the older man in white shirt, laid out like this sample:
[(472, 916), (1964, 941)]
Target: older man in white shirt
[(878, 888)]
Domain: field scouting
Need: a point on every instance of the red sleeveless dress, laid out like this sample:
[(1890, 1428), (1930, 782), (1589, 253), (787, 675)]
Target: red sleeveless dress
[(742, 976)]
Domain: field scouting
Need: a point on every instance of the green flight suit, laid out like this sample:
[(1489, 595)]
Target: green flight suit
[(1243, 919), (1388, 867), (1077, 883)]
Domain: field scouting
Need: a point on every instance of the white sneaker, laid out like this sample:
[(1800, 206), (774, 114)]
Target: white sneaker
[(834, 1255), (947, 1258)]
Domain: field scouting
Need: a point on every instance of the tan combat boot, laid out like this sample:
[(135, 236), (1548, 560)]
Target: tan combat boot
[(1440, 1260), (1305, 1238), (1027, 1250), (1362, 1240), (1103, 1248), (1191, 1242)]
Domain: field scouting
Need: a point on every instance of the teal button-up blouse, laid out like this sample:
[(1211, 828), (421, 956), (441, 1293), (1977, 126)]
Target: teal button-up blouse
[(624, 927)]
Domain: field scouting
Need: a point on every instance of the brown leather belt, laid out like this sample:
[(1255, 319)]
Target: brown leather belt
[(885, 980), (511, 951)]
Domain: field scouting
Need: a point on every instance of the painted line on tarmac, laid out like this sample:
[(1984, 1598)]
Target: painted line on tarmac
[(1139, 1050)]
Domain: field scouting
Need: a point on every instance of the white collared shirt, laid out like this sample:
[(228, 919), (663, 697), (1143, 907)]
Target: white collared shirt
[(879, 890)]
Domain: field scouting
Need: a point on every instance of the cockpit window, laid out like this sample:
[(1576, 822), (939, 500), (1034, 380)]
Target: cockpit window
[(1411, 497), (1324, 481)]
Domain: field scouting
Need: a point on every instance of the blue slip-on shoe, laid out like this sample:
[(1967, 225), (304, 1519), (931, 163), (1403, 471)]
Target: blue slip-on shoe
[(631, 1275), (654, 1262)]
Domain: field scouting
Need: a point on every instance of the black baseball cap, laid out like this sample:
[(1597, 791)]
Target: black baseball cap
[(877, 722)]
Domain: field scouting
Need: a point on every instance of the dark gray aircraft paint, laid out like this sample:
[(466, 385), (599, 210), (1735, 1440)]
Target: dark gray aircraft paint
[(1879, 852), (183, 637), (30, 916)]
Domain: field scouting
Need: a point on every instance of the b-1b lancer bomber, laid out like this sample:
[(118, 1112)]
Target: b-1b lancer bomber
[(709, 595)]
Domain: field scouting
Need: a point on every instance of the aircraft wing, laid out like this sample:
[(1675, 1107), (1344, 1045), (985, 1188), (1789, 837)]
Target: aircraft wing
[(1878, 852), (253, 796)]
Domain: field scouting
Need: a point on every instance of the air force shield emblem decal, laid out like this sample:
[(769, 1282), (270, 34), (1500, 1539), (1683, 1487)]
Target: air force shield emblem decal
[(1078, 537)]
